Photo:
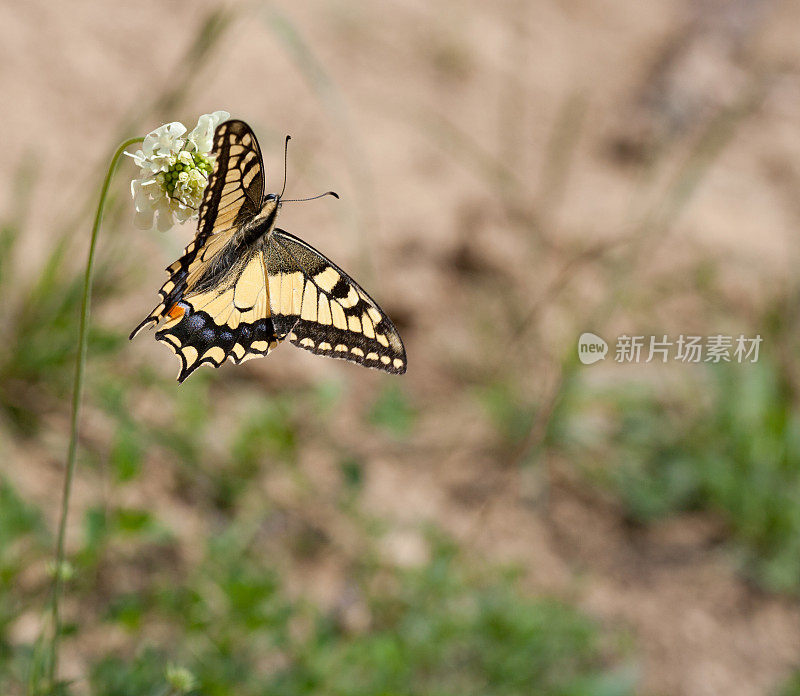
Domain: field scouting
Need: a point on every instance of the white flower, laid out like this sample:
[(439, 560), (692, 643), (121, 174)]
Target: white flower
[(174, 170), (202, 135)]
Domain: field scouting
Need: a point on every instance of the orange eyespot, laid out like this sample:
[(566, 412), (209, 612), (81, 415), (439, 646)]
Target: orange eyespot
[(175, 312)]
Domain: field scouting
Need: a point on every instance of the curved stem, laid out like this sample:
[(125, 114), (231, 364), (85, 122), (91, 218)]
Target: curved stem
[(77, 391)]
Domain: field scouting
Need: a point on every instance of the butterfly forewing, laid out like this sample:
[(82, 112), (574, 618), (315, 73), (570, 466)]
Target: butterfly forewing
[(235, 190), (322, 309)]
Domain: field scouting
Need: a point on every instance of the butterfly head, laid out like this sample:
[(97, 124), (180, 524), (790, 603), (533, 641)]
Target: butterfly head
[(273, 202), (270, 209)]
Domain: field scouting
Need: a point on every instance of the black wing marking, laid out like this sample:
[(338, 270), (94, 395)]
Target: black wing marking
[(322, 309)]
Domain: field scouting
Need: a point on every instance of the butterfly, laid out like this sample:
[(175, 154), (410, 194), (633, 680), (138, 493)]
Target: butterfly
[(243, 285)]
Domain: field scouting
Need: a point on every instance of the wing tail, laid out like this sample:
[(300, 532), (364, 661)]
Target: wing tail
[(150, 320)]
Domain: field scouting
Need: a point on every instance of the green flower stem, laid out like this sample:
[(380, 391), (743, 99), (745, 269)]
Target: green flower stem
[(77, 391)]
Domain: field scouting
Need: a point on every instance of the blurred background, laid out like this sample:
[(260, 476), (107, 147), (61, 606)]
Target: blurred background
[(500, 520)]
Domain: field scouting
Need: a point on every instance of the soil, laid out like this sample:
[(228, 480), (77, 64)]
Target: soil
[(437, 123)]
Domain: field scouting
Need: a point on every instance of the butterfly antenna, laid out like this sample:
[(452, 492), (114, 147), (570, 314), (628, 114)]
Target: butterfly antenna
[(313, 198), (285, 156)]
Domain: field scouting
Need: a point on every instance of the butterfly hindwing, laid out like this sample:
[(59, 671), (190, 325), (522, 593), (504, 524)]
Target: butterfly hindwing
[(233, 195), (233, 323), (319, 308)]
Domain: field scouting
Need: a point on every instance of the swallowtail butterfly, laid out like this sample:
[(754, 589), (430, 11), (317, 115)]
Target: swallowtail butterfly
[(243, 285)]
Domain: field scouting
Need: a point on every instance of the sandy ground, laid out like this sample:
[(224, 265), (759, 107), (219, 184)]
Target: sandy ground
[(382, 116)]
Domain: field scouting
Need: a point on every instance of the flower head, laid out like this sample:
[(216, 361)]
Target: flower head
[(180, 679), (174, 168)]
